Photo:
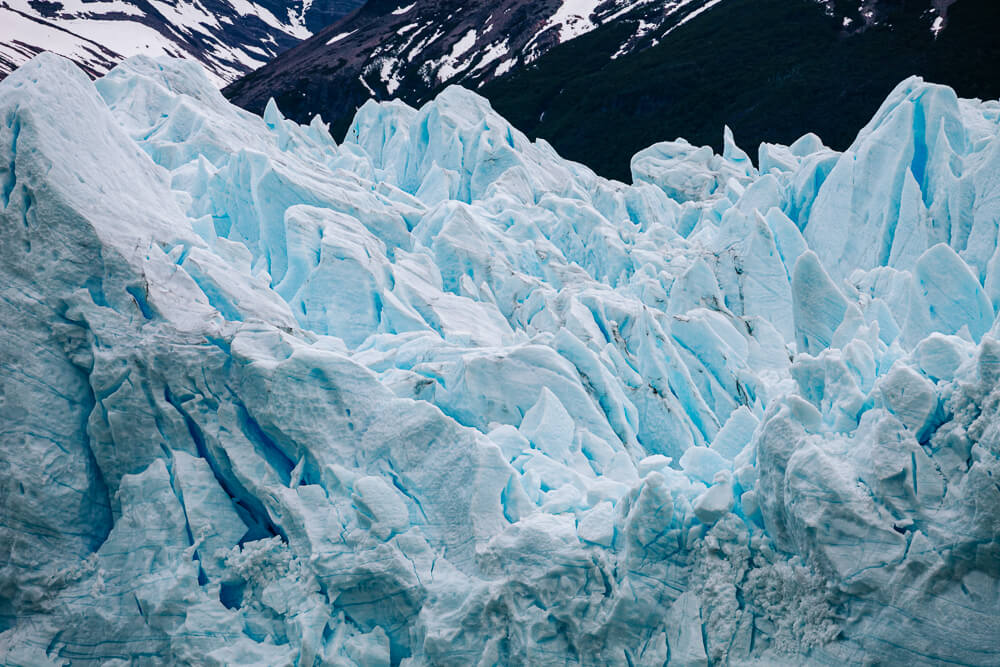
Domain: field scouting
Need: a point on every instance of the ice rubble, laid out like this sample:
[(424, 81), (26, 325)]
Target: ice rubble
[(437, 396)]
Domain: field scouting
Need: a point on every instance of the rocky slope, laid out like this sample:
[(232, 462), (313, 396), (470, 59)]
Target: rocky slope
[(769, 69), (410, 50), (636, 73), (228, 37)]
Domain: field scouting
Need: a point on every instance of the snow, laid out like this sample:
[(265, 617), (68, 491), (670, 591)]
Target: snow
[(364, 83), (30, 33), (435, 395), (491, 54), (414, 53), (388, 68), (466, 42), (100, 34), (340, 36), (453, 63), (938, 25), (75, 6), (402, 10), (249, 8), (690, 17), (573, 18), (505, 66)]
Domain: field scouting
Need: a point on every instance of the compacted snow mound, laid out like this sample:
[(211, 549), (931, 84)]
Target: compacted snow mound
[(437, 396)]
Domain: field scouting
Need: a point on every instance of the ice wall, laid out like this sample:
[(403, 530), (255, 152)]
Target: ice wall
[(437, 396)]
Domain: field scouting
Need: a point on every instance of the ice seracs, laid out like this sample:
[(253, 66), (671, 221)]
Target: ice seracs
[(437, 396)]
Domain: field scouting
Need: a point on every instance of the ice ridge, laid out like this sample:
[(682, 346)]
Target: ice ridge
[(436, 396)]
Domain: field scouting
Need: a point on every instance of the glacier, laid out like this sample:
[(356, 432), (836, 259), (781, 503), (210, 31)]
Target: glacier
[(436, 396)]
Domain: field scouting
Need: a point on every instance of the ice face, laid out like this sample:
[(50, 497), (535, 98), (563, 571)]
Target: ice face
[(437, 396)]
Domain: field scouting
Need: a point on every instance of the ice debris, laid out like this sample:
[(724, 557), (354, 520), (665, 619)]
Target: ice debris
[(437, 396)]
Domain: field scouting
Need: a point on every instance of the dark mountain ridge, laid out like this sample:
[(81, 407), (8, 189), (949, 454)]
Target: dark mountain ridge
[(770, 69), (411, 49)]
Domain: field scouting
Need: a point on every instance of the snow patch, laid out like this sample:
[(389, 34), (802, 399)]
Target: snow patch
[(339, 37)]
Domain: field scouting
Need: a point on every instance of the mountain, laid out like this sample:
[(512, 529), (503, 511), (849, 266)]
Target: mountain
[(642, 72), (410, 50), (771, 70), (228, 37), (435, 395)]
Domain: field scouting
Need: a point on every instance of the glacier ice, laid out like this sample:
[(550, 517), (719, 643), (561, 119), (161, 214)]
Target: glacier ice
[(436, 396)]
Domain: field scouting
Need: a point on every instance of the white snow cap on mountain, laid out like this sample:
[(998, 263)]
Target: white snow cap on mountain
[(228, 37)]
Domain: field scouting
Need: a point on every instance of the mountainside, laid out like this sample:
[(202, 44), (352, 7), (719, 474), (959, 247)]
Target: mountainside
[(435, 395), (410, 50), (228, 37), (642, 72), (771, 70)]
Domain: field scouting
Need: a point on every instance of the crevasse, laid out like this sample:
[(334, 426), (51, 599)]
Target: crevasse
[(435, 396)]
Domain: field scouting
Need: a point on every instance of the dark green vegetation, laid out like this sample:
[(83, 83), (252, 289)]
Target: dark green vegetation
[(770, 69)]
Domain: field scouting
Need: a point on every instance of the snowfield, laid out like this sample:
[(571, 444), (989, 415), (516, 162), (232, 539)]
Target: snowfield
[(436, 396), (228, 37)]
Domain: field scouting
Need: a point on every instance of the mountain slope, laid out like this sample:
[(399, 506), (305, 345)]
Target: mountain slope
[(770, 69), (229, 37), (410, 50)]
